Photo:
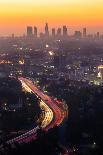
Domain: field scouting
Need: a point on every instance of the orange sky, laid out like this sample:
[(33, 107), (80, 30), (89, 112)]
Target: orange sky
[(15, 15)]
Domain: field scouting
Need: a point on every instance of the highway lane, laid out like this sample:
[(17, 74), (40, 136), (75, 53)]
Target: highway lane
[(48, 115), (54, 115), (30, 135), (48, 112), (58, 112)]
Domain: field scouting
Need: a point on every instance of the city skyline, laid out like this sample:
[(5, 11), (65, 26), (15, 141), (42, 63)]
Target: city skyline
[(16, 15), (34, 30)]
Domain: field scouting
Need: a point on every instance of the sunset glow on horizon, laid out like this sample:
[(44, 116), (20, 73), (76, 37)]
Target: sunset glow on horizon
[(15, 15)]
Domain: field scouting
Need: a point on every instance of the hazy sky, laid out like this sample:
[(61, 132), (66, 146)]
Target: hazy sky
[(15, 15)]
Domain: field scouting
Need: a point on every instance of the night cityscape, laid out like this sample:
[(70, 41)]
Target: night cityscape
[(51, 78)]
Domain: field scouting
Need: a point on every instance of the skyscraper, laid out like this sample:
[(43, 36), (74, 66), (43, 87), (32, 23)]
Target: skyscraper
[(13, 36), (98, 35), (53, 32), (78, 34), (46, 30), (29, 31), (65, 33), (35, 31), (59, 32), (84, 32)]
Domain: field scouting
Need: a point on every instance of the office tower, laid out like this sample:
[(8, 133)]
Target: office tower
[(65, 33), (53, 32), (46, 30), (78, 34), (29, 31), (13, 36), (98, 35), (84, 32), (59, 32), (35, 31)]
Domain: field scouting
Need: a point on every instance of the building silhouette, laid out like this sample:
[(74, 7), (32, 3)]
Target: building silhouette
[(35, 31), (29, 31), (65, 31), (78, 34), (46, 30), (53, 32), (84, 32), (59, 32), (98, 35)]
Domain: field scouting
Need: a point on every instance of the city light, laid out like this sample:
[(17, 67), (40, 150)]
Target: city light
[(21, 62), (100, 67), (46, 45), (99, 75), (51, 53), (51, 77)]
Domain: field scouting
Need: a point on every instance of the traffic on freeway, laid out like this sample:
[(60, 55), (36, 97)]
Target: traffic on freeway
[(54, 114)]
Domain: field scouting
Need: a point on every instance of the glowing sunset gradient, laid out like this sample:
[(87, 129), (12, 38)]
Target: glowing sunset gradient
[(15, 15)]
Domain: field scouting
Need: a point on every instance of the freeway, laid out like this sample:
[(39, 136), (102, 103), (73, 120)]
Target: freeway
[(54, 113)]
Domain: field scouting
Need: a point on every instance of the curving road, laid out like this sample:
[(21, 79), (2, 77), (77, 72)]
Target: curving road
[(54, 113)]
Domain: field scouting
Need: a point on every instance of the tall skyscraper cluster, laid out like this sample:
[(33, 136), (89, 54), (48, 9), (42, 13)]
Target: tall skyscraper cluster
[(79, 34), (59, 32), (32, 32)]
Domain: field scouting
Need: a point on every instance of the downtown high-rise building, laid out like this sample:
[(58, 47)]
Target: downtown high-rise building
[(59, 32), (98, 35), (46, 30), (29, 31), (77, 34), (53, 32), (84, 32), (35, 31), (65, 31)]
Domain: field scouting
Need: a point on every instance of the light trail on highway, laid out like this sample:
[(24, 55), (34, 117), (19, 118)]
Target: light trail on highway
[(54, 114)]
